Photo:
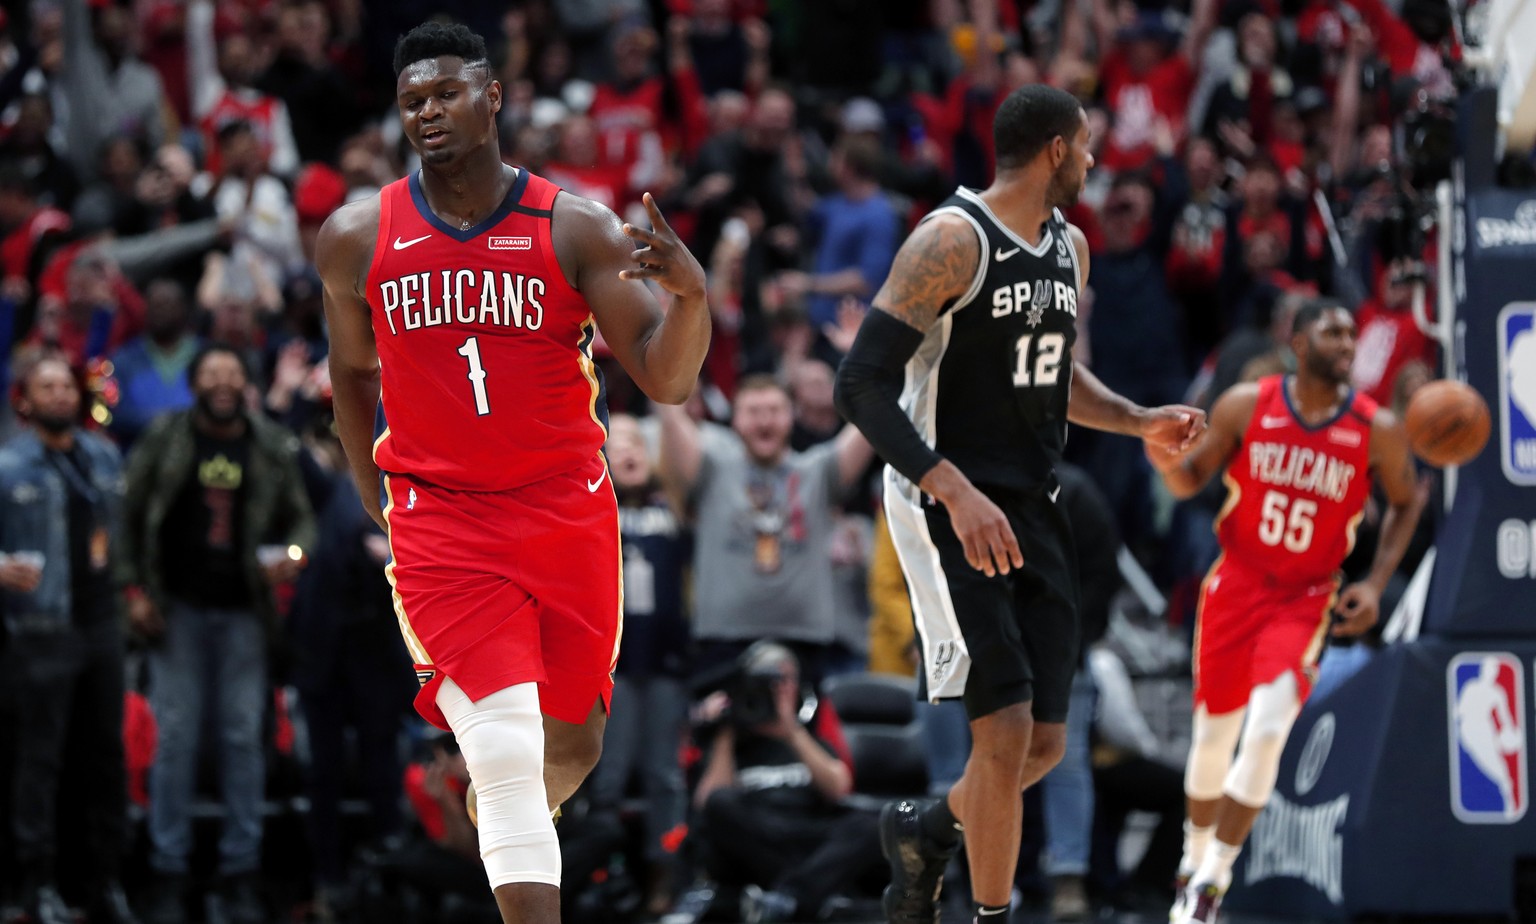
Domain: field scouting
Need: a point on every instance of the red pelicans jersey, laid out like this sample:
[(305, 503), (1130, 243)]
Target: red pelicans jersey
[(1296, 493), (484, 348)]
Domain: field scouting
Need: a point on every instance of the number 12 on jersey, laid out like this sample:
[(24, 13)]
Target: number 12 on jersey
[(1042, 367), (471, 351)]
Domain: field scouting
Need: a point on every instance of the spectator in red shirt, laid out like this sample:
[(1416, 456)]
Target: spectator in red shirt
[(627, 112), (1142, 84), (1389, 338), (1410, 45), (222, 71), (24, 222), (579, 166), (447, 861), (96, 312), (436, 790)]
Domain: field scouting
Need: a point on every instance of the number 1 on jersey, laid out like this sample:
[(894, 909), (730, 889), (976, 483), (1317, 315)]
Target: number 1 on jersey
[(471, 351)]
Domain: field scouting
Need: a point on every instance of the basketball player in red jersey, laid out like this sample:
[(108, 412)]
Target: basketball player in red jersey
[(462, 302), (1298, 452)]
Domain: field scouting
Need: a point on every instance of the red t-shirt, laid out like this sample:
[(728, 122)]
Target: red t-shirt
[(1138, 102), (16, 249), (260, 111), (622, 117), (1387, 341)]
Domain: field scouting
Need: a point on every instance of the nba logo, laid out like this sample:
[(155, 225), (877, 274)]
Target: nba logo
[(1517, 392), (1487, 731)]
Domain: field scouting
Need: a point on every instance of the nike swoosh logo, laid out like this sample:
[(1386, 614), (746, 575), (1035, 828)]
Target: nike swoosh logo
[(592, 486), (401, 245), (1002, 254)]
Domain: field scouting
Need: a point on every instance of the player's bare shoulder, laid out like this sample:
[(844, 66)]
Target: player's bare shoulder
[(1234, 409), (1080, 247), (583, 231), (936, 265), (344, 245)]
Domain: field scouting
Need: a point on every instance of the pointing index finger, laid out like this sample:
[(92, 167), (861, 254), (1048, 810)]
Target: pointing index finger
[(658, 221)]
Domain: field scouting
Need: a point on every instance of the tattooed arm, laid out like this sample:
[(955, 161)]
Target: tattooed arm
[(936, 266), (933, 268)]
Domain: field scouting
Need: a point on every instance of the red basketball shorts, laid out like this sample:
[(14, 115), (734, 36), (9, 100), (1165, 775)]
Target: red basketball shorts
[(1251, 630), (495, 589)]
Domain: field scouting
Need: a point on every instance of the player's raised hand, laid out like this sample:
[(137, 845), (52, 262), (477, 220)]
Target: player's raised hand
[(1357, 609), (1173, 428), (663, 257)]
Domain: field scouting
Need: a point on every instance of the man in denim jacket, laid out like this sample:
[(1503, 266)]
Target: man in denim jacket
[(212, 491), (61, 648)]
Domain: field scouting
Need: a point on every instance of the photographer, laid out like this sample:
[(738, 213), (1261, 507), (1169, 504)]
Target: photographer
[(769, 798)]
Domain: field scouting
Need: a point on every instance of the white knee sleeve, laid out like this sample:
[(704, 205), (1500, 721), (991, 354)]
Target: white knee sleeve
[(1272, 710), (1210, 753), (502, 737)]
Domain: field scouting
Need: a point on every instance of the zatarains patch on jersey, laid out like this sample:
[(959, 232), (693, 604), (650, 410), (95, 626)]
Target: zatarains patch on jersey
[(1486, 702), (502, 242)]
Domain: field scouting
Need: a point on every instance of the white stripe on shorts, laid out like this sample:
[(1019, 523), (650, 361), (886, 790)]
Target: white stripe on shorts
[(946, 660)]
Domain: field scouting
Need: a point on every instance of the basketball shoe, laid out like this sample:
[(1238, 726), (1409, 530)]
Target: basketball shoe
[(1178, 914), (917, 865), (1201, 904)]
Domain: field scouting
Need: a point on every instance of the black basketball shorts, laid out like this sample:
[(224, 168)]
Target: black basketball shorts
[(992, 641)]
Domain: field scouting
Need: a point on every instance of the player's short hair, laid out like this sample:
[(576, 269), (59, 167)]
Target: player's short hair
[(211, 349), (1311, 311), (436, 39), (1029, 119)]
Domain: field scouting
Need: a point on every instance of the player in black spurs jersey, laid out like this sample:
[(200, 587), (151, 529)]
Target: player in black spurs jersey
[(962, 378)]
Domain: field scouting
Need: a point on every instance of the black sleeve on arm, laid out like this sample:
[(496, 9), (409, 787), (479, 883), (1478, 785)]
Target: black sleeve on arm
[(868, 393)]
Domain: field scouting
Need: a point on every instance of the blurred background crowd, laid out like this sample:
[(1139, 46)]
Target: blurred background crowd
[(164, 168)]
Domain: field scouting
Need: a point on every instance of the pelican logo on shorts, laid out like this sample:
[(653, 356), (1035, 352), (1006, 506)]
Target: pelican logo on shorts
[(1486, 702), (1517, 392), (502, 242), (424, 675)]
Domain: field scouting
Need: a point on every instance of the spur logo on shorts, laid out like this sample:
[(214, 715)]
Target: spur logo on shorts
[(1517, 392), (944, 661), (1486, 693)]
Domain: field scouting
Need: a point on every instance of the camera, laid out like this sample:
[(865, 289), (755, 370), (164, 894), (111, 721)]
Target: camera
[(750, 685), (753, 700)]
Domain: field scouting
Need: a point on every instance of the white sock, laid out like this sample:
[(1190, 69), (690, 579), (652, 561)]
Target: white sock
[(1197, 842), (1217, 865)]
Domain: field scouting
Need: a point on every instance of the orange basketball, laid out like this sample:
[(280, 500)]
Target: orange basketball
[(1448, 423)]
